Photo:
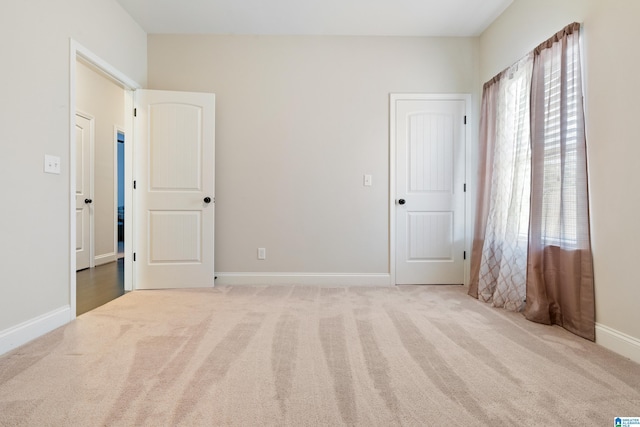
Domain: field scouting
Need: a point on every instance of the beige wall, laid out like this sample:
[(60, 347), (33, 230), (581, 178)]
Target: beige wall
[(103, 100), (299, 121), (611, 36), (34, 118)]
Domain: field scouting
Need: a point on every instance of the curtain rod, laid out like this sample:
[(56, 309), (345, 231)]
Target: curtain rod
[(566, 31)]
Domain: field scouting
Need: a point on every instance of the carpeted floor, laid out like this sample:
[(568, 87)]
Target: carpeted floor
[(307, 356)]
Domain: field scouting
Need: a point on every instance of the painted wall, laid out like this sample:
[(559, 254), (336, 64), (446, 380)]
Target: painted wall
[(611, 36), (103, 100), (299, 121), (34, 118)]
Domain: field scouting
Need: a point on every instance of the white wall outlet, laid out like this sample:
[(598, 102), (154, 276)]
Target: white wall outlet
[(262, 253), (52, 164), (368, 181)]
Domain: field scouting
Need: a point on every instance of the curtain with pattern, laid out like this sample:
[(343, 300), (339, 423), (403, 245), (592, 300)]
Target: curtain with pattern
[(531, 249), (499, 256)]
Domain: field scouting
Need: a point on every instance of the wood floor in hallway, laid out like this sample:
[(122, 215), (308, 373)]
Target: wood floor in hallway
[(99, 285)]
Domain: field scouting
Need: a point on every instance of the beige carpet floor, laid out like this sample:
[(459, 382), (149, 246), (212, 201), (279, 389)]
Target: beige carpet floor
[(307, 356)]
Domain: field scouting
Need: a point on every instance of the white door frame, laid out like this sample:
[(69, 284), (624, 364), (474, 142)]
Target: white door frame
[(393, 99), (77, 51)]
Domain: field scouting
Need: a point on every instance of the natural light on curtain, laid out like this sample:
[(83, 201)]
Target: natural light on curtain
[(502, 275), (559, 130), (560, 284), (531, 245)]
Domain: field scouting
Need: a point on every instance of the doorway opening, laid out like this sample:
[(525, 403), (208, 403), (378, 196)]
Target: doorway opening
[(113, 256), (98, 285), (99, 188)]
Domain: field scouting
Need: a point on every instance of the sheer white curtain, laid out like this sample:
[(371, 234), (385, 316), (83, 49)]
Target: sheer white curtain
[(502, 255)]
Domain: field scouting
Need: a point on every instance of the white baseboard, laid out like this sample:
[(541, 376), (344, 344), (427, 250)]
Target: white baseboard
[(105, 259), (618, 342), (31, 329), (319, 279)]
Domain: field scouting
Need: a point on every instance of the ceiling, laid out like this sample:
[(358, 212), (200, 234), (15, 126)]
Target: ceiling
[(433, 18)]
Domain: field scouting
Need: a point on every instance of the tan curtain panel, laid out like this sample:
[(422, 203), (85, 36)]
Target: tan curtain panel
[(560, 286), (485, 173)]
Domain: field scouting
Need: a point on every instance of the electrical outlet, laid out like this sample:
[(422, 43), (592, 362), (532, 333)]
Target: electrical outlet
[(262, 253)]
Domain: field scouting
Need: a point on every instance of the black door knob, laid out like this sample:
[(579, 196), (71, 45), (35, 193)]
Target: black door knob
[(207, 199), (87, 201), (401, 202)]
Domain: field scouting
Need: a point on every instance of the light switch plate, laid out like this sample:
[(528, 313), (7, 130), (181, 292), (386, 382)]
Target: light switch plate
[(52, 164), (368, 181), (262, 253)]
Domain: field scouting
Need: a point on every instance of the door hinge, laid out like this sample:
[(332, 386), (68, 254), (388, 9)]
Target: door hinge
[(465, 120), (134, 257), (135, 112), (135, 185), (465, 255), (465, 187)]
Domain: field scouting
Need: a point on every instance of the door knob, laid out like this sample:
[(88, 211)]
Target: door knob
[(402, 202), (88, 201), (207, 199)]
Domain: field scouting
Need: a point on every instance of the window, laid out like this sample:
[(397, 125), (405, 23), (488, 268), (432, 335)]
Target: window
[(562, 136)]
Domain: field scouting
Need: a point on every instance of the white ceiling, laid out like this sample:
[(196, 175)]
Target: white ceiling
[(317, 17)]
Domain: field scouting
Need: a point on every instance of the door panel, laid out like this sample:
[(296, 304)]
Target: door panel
[(177, 236), (175, 145), (84, 144), (430, 236), (430, 166)]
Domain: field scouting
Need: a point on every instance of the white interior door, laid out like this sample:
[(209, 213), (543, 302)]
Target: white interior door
[(175, 138), (430, 202), (84, 215)]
